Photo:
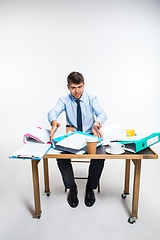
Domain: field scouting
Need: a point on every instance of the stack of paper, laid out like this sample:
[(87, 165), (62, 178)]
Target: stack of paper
[(74, 142)]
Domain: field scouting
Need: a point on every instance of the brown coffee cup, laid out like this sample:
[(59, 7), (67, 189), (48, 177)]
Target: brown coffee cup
[(91, 145), (69, 128)]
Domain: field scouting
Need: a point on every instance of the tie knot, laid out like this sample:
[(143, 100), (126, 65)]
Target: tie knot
[(77, 101)]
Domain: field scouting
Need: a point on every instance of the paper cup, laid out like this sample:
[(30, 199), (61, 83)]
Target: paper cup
[(69, 128), (91, 145)]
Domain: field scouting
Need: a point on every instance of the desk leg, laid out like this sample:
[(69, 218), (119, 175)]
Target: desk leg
[(137, 171), (127, 178), (36, 188), (46, 176)]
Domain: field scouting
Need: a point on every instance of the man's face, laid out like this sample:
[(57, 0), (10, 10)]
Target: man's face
[(76, 90)]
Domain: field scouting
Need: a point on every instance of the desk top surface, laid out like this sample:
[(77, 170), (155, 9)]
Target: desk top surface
[(147, 153)]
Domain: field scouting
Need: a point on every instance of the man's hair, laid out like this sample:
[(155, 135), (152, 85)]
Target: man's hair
[(75, 78)]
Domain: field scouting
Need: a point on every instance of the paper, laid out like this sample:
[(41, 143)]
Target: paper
[(81, 152), (134, 138), (113, 131), (32, 151), (75, 141), (152, 141), (54, 151)]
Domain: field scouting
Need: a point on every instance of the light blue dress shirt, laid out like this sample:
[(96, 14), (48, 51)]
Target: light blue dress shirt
[(90, 107)]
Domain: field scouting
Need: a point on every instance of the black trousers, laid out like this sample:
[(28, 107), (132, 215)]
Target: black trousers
[(95, 170)]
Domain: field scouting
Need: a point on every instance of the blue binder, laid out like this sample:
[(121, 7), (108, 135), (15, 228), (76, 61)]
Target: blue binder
[(71, 150), (133, 145)]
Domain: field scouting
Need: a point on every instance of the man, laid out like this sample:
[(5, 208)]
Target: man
[(81, 109)]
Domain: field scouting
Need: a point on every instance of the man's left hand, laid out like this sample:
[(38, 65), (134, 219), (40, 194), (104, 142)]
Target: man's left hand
[(96, 129)]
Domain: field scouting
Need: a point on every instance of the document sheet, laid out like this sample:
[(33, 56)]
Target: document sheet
[(75, 141), (32, 151)]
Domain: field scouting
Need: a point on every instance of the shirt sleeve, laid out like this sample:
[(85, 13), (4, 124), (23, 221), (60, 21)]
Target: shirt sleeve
[(99, 111), (56, 111)]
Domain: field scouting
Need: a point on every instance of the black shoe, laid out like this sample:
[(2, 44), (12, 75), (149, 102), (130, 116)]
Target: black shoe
[(72, 197), (89, 197)]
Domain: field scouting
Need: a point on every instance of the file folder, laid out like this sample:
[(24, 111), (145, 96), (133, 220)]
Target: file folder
[(31, 151), (137, 143), (37, 135), (58, 143)]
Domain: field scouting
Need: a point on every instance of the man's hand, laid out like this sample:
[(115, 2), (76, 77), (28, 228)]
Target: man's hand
[(96, 129), (55, 126)]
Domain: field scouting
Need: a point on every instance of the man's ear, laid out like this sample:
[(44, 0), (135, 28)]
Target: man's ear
[(68, 87)]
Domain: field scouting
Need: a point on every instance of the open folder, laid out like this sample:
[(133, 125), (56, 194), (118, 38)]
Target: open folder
[(37, 135), (31, 151), (74, 142)]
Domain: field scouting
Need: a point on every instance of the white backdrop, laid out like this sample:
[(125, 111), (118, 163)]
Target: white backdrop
[(114, 44)]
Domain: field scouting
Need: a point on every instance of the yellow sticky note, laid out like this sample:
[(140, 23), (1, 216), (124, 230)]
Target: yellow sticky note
[(130, 132)]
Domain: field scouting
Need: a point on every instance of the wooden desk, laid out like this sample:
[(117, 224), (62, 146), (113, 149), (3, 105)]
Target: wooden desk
[(100, 154)]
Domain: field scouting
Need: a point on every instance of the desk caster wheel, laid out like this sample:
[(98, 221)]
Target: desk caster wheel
[(48, 194), (131, 220), (124, 195), (38, 216)]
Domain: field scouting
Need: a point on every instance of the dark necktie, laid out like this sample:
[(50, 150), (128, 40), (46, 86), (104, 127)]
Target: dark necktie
[(79, 116)]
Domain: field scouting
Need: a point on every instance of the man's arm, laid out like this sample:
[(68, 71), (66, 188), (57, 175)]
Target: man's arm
[(101, 118), (96, 129), (55, 125), (53, 115)]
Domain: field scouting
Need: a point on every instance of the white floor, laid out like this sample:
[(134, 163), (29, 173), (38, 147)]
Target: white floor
[(107, 219)]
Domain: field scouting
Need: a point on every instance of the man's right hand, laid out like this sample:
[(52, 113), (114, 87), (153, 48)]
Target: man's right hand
[(55, 126)]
